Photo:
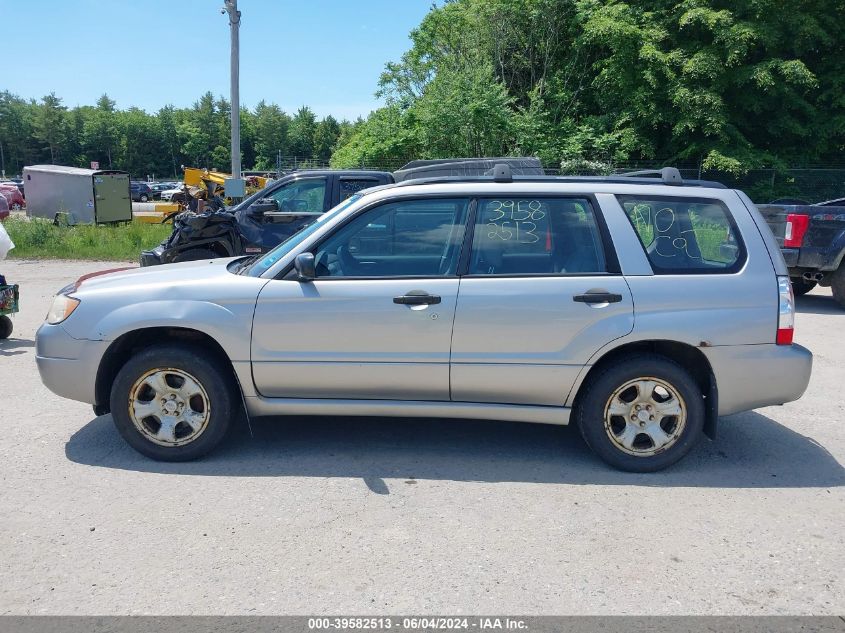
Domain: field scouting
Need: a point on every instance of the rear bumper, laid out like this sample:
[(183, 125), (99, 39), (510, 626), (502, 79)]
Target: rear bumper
[(752, 376), (790, 256), (812, 258)]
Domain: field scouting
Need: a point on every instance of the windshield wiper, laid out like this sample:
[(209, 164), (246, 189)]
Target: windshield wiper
[(247, 262)]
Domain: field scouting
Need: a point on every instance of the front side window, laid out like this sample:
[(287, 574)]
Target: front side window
[(302, 196), (418, 238), (534, 236), (685, 235)]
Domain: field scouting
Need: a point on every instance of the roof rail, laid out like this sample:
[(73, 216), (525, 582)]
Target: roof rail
[(502, 173), (669, 175)]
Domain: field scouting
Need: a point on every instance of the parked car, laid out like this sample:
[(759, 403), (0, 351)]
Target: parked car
[(608, 302), (812, 240), (4, 208), (160, 187), (167, 194), (140, 191), (13, 196)]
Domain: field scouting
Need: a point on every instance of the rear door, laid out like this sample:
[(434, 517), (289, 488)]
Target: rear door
[(111, 198), (541, 294)]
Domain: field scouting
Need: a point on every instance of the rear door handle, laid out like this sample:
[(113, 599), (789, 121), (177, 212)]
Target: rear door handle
[(598, 297), (417, 298)]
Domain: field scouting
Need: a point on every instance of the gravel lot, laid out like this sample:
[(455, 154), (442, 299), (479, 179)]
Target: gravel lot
[(369, 516)]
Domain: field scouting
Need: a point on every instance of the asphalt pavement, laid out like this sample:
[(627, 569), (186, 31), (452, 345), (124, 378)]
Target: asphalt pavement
[(392, 516)]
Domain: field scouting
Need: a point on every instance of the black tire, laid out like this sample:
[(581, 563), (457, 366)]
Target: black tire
[(16, 206), (143, 198), (800, 287), (6, 327), (837, 285), (206, 370), (195, 254), (590, 413)]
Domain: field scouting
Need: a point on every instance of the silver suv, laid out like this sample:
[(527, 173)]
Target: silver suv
[(641, 308)]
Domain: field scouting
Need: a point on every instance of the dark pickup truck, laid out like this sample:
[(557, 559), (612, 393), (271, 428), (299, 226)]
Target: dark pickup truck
[(812, 240), (262, 220), (265, 219)]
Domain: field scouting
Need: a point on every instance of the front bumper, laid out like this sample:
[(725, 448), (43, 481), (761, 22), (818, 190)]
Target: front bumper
[(752, 376), (68, 366), (153, 257)]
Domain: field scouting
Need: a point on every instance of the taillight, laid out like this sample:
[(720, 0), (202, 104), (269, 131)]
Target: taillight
[(786, 312), (796, 227)]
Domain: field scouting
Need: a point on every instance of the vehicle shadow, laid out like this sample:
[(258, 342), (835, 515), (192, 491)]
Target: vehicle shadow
[(12, 346), (752, 451), (818, 304)]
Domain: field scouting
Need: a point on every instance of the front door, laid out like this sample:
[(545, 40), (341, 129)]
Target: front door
[(377, 321), (541, 295), (300, 202)]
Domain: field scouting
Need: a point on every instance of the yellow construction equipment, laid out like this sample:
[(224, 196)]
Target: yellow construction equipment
[(199, 184)]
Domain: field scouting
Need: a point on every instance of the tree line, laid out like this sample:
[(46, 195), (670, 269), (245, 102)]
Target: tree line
[(724, 85), (46, 131), (728, 85)]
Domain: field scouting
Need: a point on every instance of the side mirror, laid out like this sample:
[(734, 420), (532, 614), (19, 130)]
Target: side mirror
[(305, 267), (262, 206)]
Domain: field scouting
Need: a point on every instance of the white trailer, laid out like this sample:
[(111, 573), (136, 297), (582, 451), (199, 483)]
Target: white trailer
[(82, 196)]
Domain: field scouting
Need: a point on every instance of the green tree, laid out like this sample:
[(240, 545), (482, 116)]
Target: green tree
[(271, 134), (301, 133), (725, 84), (100, 132), (325, 137), (16, 133), (49, 124)]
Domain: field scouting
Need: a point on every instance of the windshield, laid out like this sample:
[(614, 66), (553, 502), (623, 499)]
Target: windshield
[(263, 265)]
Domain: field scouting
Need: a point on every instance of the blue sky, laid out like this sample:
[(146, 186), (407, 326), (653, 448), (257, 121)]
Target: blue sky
[(327, 54)]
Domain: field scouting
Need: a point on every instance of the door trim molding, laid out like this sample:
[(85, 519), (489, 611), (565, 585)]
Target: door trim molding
[(259, 406)]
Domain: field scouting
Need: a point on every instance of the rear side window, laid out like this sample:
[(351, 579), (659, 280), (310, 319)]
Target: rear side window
[(536, 236), (686, 235), (351, 186)]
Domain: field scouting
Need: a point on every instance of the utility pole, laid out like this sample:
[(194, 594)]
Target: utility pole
[(231, 7)]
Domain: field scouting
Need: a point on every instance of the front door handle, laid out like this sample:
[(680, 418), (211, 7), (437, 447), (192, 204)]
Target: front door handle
[(417, 298), (598, 297)]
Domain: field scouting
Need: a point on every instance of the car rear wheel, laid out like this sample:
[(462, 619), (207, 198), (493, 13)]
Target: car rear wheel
[(16, 206), (801, 287), (173, 403), (143, 197), (641, 414), (195, 254)]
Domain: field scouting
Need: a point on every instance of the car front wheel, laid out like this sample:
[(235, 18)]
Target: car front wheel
[(641, 414), (173, 403)]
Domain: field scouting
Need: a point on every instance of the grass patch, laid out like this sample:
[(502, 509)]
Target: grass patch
[(36, 238)]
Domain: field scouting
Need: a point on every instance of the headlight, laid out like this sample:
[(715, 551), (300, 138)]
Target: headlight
[(63, 306)]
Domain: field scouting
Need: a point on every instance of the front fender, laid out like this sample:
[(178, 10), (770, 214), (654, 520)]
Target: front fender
[(229, 326)]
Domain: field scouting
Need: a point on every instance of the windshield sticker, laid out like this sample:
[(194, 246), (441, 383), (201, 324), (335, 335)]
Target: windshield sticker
[(269, 261)]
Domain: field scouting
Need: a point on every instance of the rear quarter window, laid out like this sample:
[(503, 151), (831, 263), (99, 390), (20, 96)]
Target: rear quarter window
[(686, 235)]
